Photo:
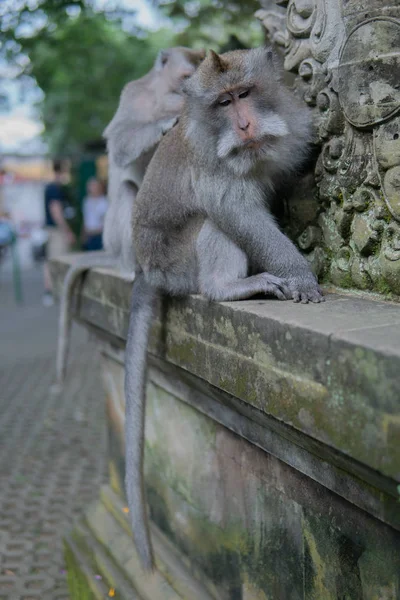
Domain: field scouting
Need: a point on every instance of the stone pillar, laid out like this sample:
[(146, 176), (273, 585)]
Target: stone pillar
[(345, 55)]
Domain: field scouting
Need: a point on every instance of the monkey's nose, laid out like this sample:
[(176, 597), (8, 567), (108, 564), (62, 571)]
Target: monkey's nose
[(244, 124)]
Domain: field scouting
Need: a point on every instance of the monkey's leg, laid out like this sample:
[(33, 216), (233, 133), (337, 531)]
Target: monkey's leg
[(223, 269)]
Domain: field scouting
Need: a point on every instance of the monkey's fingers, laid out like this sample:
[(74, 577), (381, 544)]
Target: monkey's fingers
[(319, 298), (286, 290), (277, 291), (275, 286), (168, 125), (321, 295), (296, 296), (306, 297), (306, 289), (316, 295)]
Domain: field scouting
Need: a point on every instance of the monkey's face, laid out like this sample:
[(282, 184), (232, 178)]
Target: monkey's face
[(234, 99), (248, 128), (178, 64)]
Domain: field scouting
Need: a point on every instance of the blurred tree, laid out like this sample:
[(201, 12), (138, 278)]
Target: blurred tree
[(80, 59), (219, 24), (81, 68)]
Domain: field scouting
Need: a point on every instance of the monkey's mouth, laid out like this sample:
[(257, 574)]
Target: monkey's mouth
[(232, 145), (261, 142), (253, 144)]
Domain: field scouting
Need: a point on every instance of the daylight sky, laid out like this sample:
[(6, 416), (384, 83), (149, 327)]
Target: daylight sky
[(19, 128), (147, 15)]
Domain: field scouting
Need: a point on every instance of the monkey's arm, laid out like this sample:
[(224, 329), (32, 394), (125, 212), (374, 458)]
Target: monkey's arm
[(129, 141), (268, 249)]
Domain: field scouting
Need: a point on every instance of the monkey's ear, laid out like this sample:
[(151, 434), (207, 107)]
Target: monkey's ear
[(161, 60), (216, 62)]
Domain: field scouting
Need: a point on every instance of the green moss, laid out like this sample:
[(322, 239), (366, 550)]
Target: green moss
[(382, 288), (182, 352), (225, 555), (241, 386), (329, 252), (157, 468), (345, 280), (77, 583), (159, 511)]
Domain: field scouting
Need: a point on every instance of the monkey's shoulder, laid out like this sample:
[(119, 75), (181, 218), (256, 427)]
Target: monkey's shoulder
[(176, 145), (171, 157)]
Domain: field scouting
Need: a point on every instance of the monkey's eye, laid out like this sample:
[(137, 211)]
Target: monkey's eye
[(225, 102), (244, 94)]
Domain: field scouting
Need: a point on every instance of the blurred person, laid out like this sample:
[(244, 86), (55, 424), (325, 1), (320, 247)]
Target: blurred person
[(60, 235), (95, 206), (7, 232)]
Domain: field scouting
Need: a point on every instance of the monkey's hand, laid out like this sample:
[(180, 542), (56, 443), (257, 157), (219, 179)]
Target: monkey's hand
[(168, 125), (304, 288)]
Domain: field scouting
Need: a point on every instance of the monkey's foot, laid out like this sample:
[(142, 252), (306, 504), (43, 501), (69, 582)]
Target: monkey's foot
[(305, 288)]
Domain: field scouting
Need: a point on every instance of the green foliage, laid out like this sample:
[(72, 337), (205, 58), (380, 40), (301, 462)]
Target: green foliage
[(80, 59), (82, 67), (219, 24)]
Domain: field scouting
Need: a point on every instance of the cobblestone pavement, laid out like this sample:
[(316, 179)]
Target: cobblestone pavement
[(52, 448)]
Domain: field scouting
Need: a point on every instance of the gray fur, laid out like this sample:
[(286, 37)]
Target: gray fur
[(149, 107), (142, 305), (201, 222), (64, 323)]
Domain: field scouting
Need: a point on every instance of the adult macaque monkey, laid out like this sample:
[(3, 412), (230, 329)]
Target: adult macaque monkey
[(148, 108), (201, 222)]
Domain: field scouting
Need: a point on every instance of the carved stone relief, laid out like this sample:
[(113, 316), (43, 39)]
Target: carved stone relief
[(345, 55)]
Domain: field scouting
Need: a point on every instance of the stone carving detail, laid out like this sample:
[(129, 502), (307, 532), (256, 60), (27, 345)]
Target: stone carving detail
[(345, 55)]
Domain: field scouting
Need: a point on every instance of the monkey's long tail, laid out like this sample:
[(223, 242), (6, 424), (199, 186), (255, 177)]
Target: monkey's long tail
[(142, 310), (84, 263)]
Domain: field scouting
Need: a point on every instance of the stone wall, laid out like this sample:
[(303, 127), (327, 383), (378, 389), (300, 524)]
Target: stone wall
[(272, 459), (345, 55), (246, 524)]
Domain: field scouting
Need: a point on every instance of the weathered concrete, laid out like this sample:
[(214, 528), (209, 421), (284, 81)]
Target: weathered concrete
[(329, 370), (272, 458)]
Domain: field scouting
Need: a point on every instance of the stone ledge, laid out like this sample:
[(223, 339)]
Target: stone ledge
[(330, 371)]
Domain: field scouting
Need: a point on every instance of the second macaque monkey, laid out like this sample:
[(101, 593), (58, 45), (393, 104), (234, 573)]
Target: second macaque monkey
[(201, 220), (148, 108)]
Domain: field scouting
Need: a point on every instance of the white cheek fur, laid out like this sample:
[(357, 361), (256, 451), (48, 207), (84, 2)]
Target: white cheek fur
[(272, 124), (269, 125), (227, 142)]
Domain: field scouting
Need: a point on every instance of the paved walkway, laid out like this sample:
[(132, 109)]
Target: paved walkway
[(52, 449)]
